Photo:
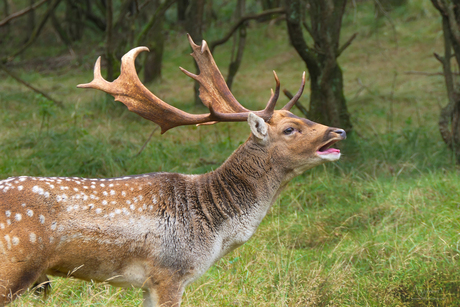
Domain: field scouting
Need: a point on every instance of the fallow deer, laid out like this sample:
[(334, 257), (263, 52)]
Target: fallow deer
[(157, 231)]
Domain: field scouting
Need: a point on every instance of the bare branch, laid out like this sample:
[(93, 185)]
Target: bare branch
[(309, 30), (297, 103), (346, 45), (17, 78), (242, 20), (35, 33), (148, 140), (158, 12), (20, 13), (425, 73)]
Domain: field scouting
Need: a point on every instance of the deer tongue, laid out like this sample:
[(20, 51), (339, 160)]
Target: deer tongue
[(329, 151)]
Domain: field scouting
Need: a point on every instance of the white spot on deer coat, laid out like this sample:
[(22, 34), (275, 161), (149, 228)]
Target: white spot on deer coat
[(18, 217), (15, 240), (8, 213), (32, 237), (8, 241), (41, 218), (30, 213)]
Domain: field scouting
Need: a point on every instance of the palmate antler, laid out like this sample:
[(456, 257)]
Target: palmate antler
[(214, 93)]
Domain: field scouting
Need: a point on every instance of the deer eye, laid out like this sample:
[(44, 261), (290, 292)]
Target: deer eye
[(288, 130)]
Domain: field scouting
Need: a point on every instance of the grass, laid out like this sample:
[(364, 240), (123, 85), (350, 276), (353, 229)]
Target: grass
[(378, 228)]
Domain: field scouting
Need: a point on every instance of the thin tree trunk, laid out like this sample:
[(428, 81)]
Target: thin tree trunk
[(449, 119), (6, 8), (31, 20), (194, 26), (5, 32), (60, 31), (109, 40), (154, 59), (181, 10), (239, 43)]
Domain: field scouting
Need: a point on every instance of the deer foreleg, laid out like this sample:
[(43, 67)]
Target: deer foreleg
[(165, 295)]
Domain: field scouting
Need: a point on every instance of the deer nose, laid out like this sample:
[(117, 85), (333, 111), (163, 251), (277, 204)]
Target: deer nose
[(341, 133)]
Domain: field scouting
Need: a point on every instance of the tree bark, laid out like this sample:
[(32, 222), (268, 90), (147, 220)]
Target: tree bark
[(5, 32), (153, 59), (181, 10), (109, 40), (238, 45), (327, 101), (31, 19), (74, 20), (449, 119), (194, 26)]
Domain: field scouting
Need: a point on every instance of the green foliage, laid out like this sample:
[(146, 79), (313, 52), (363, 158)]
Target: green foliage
[(378, 228)]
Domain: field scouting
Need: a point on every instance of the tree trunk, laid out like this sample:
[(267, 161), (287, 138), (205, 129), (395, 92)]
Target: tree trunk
[(327, 101), (181, 10), (238, 45), (74, 19), (155, 41), (30, 20), (328, 104), (194, 26), (449, 119), (109, 40), (5, 31)]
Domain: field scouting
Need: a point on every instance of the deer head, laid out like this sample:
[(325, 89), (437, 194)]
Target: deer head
[(289, 133)]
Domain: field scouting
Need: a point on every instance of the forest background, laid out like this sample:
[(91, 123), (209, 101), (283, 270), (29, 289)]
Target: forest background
[(378, 228)]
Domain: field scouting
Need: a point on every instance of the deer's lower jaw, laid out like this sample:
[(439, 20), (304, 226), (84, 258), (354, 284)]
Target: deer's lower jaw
[(330, 154), (327, 152)]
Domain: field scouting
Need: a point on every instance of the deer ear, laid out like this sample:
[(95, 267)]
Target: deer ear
[(258, 126)]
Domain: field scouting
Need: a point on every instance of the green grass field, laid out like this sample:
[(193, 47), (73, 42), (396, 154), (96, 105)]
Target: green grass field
[(379, 228)]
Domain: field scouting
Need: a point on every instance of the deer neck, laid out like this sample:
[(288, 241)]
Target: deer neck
[(248, 180)]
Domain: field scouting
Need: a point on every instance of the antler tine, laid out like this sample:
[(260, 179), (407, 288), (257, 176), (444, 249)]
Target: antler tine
[(268, 111), (214, 92), (128, 89), (296, 97)]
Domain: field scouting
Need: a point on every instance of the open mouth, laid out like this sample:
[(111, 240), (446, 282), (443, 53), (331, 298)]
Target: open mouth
[(327, 149)]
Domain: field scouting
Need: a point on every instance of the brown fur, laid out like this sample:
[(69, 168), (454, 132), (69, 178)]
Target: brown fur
[(158, 231)]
